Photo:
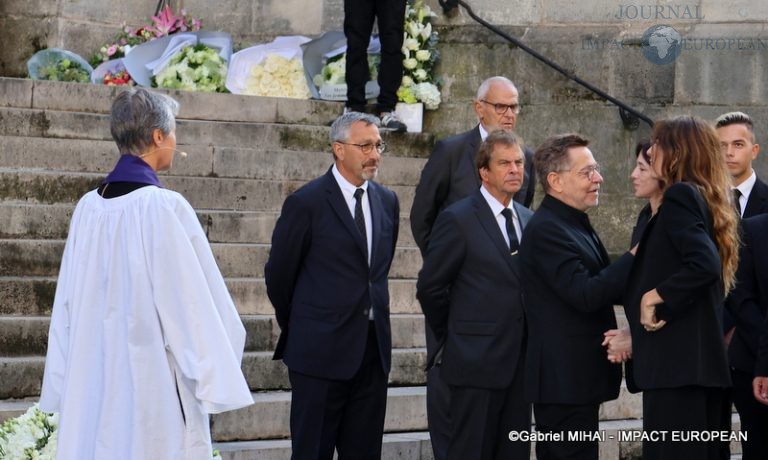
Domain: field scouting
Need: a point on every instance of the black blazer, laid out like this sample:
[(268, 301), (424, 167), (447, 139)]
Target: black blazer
[(471, 294), (570, 289), (678, 256), (319, 281), (748, 302), (757, 203), (450, 175)]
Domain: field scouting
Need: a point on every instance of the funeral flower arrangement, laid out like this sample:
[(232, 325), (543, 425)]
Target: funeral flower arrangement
[(194, 68), (277, 76), (334, 71), (31, 436), (165, 23), (419, 57)]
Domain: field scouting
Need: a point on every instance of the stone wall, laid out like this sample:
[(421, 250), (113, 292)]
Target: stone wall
[(722, 65)]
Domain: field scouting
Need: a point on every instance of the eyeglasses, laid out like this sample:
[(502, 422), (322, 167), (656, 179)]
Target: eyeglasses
[(368, 148), (588, 172), (501, 109)]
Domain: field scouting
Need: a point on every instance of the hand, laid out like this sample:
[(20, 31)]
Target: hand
[(618, 343), (760, 389), (648, 311)]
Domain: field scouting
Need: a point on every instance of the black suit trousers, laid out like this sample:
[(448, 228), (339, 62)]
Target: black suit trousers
[(482, 418), (753, 415), (565, 418), (358, 25), (438, 403), (687, 410), (347, 415)]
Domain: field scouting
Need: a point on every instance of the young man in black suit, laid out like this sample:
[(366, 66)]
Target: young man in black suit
[(326, 276), (748, 303), (449, 176), (738, 143), (570, 290), (471, 294)]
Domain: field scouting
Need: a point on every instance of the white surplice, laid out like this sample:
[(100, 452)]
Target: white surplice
[(145, 340)]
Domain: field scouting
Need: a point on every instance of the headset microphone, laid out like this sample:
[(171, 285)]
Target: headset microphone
[(181, 154)]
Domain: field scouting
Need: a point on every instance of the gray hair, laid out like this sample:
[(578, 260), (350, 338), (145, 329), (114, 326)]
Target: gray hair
[(340, 127), (736, 118), (552, 155), (482, 91), (136, 114)]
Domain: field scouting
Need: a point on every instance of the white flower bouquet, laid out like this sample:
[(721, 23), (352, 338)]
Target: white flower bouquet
[(419, 57), (273, 69), (194, 68), (31, 436)]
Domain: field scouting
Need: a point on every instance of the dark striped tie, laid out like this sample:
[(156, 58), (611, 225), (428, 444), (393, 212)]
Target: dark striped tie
[(514, 244), (359, 218)]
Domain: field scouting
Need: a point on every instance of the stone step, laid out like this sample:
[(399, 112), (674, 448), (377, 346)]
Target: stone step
[(73, 97), (37, 123), (34, 295), (257, 162), (236, 260), (22, 375), (269, 416), (619, 444), (51, 221), (48, 187), (28, 335)]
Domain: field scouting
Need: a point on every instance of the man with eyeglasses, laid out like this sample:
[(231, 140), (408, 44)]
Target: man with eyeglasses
[(326, 277), (449, 176), (570, 288)]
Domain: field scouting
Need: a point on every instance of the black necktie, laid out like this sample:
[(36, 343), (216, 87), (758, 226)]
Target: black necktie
[(514, 245), (737, 203), (359, 218)]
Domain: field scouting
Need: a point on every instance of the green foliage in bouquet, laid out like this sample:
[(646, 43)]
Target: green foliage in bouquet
[(334, 71), (31, 436), (194, 68), (65, 70)]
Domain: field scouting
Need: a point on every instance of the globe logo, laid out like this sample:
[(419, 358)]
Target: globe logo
[(662, 44)]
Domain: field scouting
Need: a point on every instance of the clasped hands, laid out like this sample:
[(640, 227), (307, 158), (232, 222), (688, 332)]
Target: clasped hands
[(618, 345)]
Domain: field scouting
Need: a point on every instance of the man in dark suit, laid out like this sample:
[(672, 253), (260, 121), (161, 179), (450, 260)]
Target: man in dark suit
[(748, 304), (570, 289), (471, 294), (451, 175), (327, 279), (737, 140)]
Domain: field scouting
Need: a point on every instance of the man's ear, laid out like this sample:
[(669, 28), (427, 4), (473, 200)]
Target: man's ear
[(338, 151), (555, 181), (483, 172)]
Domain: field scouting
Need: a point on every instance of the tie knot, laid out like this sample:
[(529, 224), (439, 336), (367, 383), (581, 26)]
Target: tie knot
[(507, 213), (737, 193), (359, 194)]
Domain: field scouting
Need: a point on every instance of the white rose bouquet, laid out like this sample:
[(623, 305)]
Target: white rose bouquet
[(419, 57), (277, 76), (194, 68)]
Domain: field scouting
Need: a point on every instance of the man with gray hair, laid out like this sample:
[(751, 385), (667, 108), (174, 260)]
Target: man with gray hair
[(449, 176), (326, 277)]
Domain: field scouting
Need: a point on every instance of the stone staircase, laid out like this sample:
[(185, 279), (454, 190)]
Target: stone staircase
[(246, 154)]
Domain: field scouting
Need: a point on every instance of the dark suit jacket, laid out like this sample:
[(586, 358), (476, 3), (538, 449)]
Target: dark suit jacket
[(748, 302), (450, 175), (570, 289), (757, 203), (678, 257), (320, 283), (471, 294)]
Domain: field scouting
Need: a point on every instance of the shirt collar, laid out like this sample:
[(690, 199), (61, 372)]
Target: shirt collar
[(346, 186), (483, 132), (496, 206), (746, 187)]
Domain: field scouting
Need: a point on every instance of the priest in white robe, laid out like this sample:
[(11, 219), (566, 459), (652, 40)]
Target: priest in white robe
[(145, 341)]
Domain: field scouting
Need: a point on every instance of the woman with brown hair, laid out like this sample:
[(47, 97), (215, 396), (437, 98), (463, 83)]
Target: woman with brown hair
[(685, 265)]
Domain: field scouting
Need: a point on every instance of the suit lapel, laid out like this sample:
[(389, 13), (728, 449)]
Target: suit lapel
[(336, 200), (471, 152), (374, 199), (490, 225)]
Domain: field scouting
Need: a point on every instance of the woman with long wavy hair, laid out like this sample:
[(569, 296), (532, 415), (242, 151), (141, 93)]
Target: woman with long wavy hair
[(685, 265)]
